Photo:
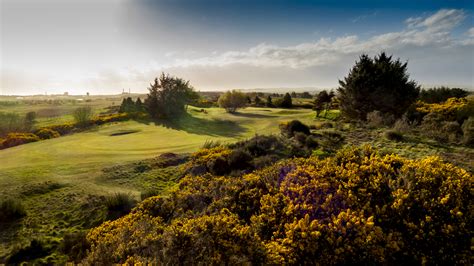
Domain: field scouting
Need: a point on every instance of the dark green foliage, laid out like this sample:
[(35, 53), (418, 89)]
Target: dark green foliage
[(323, 102), (438, 95), (240, 159), (393, 135), (118, 205), (83, 116), (219, 166), (269, 102), (258, 101), (286, 101), (11, 210), (129, 106), (300, 137), (30, 120), (232, 100), (169, 96), (380, 84), (289, 129)]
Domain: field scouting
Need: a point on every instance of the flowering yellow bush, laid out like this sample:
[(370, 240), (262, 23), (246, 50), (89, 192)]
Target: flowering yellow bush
[(447, 109), (15, 139), (358, 207)]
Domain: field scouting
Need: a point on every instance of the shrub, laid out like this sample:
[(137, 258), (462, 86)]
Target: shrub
[(286, 101), (83, 116), (402, 125), (11, 210), (468, 131), (393, 135), (378, 84), (288, 129), (232, 100), (62, 129), (239, 159), (15, 139), (218, 166), (300, 137), (447, 110), (357, 207), (438, 95), (110, 118), (434, 126), (377, 119), (47, 133)]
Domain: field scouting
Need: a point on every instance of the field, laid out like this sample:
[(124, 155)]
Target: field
[(61, 180)]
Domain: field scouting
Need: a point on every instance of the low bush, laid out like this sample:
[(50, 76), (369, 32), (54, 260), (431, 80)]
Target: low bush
[(240, 159), (63, 129), (468, 131), (47, 133), (100, 120), (402, 125), (393, 135), (435, 127), (289, 128), (378, 119), (36, 249), (15, 139), (357, 207), (11, 210)]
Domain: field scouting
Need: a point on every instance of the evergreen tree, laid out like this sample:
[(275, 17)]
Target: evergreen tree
[(169, 96), (269, 102), (286, 102), (380, 84), (152, 100), (258, 101)]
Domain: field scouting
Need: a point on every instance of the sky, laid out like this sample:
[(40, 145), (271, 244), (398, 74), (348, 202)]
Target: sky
[(105, 46)]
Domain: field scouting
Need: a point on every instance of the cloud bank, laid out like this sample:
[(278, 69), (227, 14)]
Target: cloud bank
[(435, 58)]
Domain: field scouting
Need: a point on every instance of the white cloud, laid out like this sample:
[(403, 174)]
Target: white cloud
[(434, 30)]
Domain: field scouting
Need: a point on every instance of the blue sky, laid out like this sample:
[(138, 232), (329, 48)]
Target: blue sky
[(105, 46)]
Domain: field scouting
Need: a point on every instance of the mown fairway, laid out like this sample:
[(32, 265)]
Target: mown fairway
[(65, 173)]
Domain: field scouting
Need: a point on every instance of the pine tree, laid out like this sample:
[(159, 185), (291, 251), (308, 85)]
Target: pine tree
[(286, 102), (380, 84)]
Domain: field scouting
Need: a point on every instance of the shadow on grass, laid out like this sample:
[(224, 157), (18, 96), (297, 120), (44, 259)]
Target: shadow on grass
[(200, 126), (251, 115)]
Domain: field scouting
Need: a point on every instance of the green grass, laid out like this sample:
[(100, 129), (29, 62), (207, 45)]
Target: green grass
[(62, 182)]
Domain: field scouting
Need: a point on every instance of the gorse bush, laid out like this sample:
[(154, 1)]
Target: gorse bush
[(439, 95), (47, 133), (358, 207), (15, 139)]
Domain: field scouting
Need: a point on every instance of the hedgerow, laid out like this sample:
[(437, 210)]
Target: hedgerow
[(357, 207)]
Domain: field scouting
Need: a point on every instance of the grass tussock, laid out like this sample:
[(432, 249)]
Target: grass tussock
[(11, 210), (119, 204)]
